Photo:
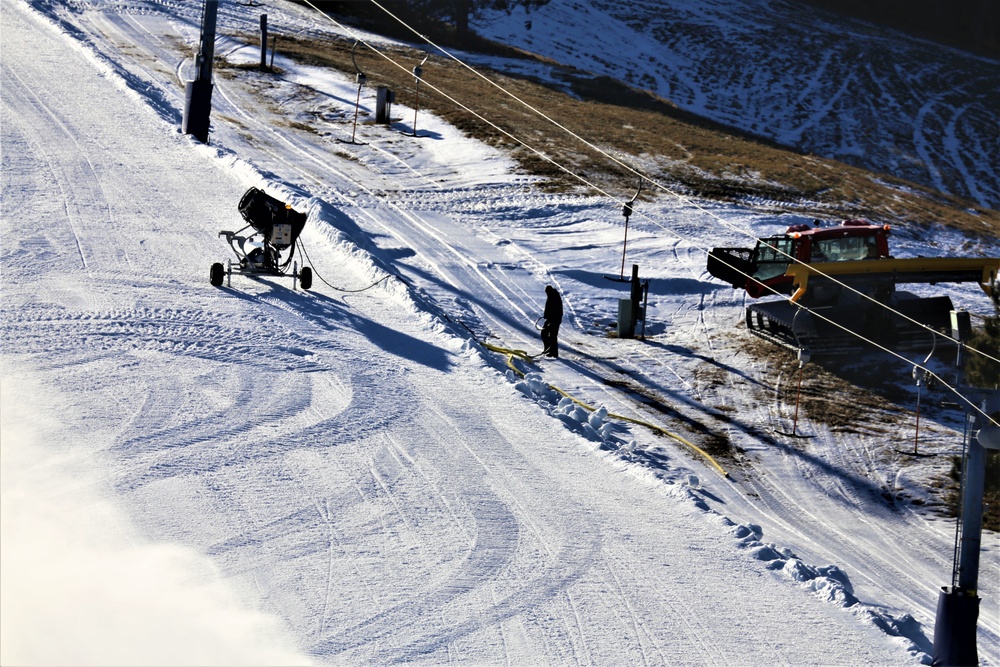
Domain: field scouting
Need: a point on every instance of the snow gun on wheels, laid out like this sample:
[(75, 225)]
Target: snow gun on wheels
[(276, 227), (842, 288)]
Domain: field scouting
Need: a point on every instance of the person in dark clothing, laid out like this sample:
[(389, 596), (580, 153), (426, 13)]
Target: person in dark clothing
[(553, 318)]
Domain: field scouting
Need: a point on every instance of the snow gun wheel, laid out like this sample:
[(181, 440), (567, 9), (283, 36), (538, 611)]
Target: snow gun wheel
[(306, 277), (216, 274)]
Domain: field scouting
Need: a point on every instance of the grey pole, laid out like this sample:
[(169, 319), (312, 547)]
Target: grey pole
[(198, 93), (972, 515), (418, 71), (627, 212), (357, 103), (958, 605)]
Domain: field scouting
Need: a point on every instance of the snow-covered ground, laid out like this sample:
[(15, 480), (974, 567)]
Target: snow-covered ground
[(791, 72), (265, 475)]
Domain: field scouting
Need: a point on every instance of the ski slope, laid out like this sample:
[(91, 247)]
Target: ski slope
[(813, 79), (334, 477)]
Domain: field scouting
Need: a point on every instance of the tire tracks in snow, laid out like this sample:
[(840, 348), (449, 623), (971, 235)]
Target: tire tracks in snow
[(496, 525)]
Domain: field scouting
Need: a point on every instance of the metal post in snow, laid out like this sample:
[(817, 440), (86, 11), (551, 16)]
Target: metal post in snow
[(263, 42), (804, 356), (198, 93), (627, 212), (361, 79), (798, 392), (920, 375), (958, 605), (645, 305), (357, 103), (417, 73)]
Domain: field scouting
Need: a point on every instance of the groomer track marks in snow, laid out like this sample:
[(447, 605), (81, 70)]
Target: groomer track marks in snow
[(258, 513)]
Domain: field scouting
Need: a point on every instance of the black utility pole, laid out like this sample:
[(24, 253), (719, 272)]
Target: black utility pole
[(198, 93), (263, 42)]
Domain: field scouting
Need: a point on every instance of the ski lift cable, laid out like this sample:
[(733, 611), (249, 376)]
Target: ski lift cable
[(680, 237), (659, 185), (598, 189), (462, 106)]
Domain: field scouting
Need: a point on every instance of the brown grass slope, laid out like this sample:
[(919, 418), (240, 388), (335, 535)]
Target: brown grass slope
[(673, 148)]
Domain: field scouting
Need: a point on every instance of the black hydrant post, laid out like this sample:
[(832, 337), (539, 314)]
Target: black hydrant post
[(198, 93), (635, 293)]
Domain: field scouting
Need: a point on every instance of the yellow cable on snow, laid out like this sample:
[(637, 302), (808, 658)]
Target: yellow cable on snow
[(524, 356)]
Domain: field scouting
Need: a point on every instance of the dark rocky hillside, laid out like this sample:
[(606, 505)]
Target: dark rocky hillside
[(973, 25)]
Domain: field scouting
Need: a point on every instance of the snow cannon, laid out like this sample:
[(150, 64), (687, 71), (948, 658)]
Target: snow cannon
[(276, 227)]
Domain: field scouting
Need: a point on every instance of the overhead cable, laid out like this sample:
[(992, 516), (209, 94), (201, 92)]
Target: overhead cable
[(659, 185), (680, 196)]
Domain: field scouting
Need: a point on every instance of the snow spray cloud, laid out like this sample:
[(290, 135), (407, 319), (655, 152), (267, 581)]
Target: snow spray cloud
[(79, 588)]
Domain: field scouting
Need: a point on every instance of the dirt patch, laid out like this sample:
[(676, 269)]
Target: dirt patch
[(713, 441)]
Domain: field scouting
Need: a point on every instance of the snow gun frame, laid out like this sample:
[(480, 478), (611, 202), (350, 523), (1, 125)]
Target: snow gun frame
[(276, 228)]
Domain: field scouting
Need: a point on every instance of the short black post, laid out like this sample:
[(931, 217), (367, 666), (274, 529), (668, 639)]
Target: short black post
[(635, 293), (197, 109), (263, 42), (383, 105)]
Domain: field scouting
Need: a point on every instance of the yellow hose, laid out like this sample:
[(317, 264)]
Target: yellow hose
[(524, 356)]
